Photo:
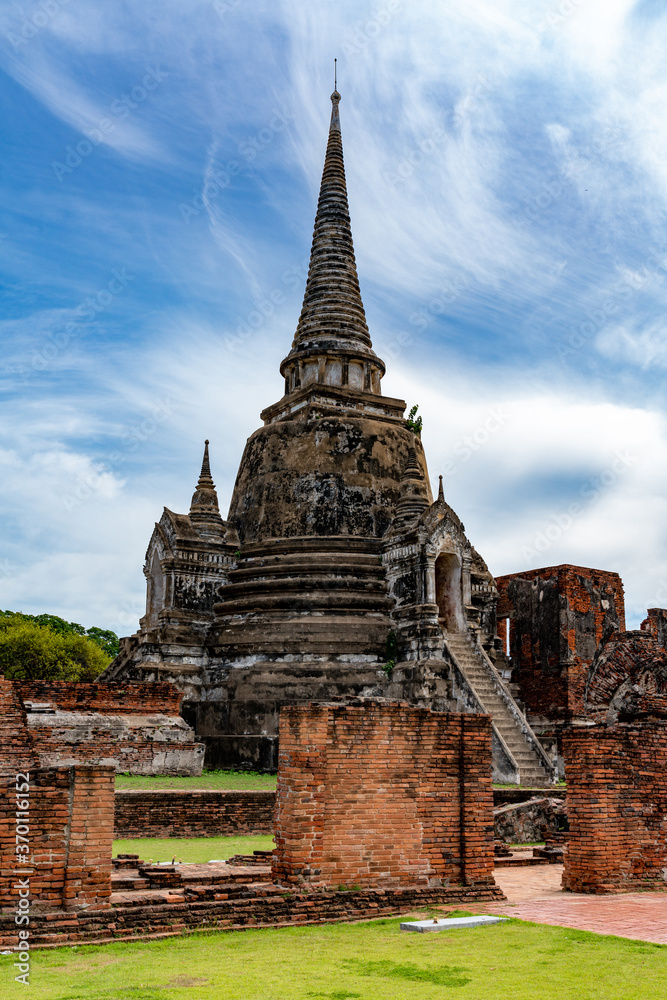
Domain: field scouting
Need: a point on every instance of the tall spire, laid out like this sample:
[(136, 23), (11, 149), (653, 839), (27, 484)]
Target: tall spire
[(332, 300), (332, 321), (204, 511)]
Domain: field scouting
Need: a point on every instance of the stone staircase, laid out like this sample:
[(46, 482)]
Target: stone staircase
[(533, 764)]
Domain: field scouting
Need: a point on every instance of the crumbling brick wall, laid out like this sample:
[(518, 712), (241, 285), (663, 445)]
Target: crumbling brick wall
[(628, 666), (557, 617), (109, 697), (656, 623), (380, 794), (134, 727), (16, 748), (69, 831), (617, 805)]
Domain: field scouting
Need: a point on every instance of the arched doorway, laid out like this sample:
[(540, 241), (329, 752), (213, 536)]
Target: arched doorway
[(448, 593)]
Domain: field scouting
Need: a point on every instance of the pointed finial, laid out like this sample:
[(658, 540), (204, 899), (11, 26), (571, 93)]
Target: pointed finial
[(205, 477), (204, 512), (335, 100), (441, 492)]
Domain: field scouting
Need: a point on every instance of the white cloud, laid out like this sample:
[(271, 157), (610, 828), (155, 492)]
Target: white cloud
[(459, 121), (645, 347)]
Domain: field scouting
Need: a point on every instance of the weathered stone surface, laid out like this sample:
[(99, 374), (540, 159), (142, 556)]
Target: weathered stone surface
[(626, 673), (523, 822), (134, 728), (557, 618)]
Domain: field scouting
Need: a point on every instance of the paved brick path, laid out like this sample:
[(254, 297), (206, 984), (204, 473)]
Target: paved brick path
[(535, 894)]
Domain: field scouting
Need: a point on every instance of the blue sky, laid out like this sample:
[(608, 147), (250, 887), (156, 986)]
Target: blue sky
[(507, 176)]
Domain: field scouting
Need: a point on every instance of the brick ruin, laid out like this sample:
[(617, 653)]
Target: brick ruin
[(617, 806), (136, 728), (337, 575), (414, 827), (616, 770), (551, 622), (67, 820), (381, 795)]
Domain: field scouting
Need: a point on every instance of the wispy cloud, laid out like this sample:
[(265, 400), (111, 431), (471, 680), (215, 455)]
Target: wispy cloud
[(507, 183)]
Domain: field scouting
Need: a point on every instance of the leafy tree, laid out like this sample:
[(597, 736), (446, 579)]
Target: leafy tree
[(105, 639), (57, 624), (42, 647)]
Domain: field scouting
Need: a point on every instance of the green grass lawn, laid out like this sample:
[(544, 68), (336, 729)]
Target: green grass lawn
[(230, 780), (199, 849), (371, 961)]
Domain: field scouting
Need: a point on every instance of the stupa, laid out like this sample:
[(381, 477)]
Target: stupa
[(336, 573)]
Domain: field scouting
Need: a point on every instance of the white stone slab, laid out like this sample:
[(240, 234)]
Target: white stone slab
[(450, 923)]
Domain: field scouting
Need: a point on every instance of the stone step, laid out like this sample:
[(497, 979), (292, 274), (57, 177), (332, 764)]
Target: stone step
[(531, 769)]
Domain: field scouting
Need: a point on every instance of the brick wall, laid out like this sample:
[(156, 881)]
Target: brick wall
[(557, 617), (16, 748), (381, 794), (656, 623), (193, 813), (134, 727), (617, 807), (112, 697), (631, 664), (69, 829)]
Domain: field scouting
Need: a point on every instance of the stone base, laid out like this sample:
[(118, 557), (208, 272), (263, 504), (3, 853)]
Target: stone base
[(241, 753)]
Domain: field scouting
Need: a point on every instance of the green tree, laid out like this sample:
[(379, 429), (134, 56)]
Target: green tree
[(33, 651), (105, 639)]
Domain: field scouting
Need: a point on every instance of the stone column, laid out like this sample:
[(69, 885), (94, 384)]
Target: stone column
[(430, 577), (466, 583)]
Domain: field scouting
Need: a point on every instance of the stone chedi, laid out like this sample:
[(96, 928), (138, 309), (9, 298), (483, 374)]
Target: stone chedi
[(336, 573)]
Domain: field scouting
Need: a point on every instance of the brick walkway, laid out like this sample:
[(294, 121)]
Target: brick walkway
[(535, 894)]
